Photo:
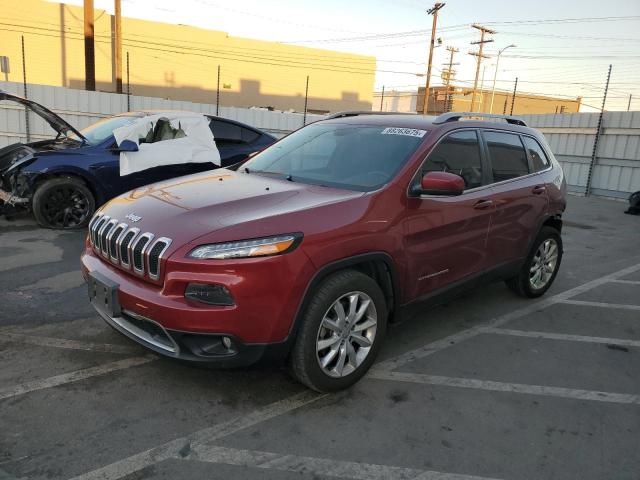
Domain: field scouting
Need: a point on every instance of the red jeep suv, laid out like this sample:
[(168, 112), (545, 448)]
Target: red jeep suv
[(307, 250)]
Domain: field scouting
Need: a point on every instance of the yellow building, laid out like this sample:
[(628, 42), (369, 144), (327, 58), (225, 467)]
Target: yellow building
[(458, 99), (181, 62)]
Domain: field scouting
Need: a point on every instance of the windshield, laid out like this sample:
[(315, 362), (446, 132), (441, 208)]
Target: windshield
[(100, 131), (354, 157)]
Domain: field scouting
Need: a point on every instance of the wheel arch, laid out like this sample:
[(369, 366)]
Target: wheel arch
[(98, 196), (377, 265)]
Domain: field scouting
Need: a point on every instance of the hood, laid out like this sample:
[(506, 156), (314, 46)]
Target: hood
[(189, 207), (56, 122)]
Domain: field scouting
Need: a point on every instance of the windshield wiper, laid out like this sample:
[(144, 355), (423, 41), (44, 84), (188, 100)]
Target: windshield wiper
[(287, 176)]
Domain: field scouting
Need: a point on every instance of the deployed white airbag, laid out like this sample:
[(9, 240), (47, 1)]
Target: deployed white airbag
[(167, 139)]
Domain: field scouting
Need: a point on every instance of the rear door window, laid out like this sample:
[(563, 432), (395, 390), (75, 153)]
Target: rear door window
[(539, 160), (508, 157), (248, 136), (226, 133), (457, 153)]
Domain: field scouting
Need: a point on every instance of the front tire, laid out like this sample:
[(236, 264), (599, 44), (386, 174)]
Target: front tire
[(541, 266), (341, 332), (63, 202)]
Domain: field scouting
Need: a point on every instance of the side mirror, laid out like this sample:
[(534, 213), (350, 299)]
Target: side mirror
[(126, 146), (440, 183)]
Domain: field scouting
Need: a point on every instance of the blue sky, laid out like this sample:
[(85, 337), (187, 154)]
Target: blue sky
[(567, 58)]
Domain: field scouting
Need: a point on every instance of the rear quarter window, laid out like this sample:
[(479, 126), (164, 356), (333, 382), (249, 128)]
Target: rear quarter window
[(508, 157), (539, 160)]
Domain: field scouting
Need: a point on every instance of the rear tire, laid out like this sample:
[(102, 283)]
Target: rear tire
[(541, 265), (341, 332), (63, 202)]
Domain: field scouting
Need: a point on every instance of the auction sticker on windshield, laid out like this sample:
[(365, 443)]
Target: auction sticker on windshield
[(410, 132)]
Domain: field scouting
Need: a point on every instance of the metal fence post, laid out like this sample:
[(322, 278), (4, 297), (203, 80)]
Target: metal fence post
[(218, 94), (26, 93), (306, 97), (592, 164)]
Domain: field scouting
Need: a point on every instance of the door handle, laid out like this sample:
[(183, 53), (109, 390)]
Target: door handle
[(483, 204), (539, 189)]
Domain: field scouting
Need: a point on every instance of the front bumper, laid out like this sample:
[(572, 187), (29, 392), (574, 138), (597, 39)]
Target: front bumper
[(189, 346), (161, 319)]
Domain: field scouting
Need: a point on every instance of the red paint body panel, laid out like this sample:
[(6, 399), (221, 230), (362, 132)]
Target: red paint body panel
[(432, 240)]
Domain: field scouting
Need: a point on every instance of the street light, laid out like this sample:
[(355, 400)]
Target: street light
[(493, 89)]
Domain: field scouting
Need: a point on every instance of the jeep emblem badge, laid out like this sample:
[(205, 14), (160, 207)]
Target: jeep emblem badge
[(133, 217)]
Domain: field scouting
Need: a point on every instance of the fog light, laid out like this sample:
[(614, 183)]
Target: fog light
[(226, 341), (214, 294)]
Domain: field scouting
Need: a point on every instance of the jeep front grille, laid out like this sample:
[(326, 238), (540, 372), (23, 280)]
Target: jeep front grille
[(128, 247)]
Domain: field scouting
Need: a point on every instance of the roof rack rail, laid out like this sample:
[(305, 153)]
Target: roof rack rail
[(456, 116), (357, 113)]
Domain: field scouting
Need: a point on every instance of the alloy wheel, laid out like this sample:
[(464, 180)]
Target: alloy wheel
[(65, 207), (346, 334), (543, 264)]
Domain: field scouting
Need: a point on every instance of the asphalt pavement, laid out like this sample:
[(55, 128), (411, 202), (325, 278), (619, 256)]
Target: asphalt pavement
[(488, 386)]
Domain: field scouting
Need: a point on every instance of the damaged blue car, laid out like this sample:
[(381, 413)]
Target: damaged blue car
[(63, 180)]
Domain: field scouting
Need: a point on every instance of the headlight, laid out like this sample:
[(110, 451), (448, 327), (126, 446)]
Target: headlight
[(259, 247)]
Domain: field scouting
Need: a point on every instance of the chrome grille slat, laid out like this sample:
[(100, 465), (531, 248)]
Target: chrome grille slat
[(128, 247), (115, 234), (103, 224), (104, 238), (138, 252), (95, 229), (125, 250), (156, 251)]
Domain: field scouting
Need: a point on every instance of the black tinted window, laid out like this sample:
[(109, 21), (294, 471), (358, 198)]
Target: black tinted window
[(226, 132), (538, 158), (458, 153), (508, 158), (249, 136)]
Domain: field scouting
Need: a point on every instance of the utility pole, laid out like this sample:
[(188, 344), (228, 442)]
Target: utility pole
[(118, 44), (432, 11), (89, 51), (592, 165), (382, 98), (449, 74), (513, 99), (480, 56), (629, 104)]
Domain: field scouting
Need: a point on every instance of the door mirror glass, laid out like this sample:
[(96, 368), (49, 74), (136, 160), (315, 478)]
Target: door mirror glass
[(440, 183)]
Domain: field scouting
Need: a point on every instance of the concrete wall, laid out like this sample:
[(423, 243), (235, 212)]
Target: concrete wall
[(81, 108), (181, 62)]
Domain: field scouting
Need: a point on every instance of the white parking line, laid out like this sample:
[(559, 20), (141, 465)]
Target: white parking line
[(72, 376), (489, 385), (627, 282), (601, 304), (141, 460), (563, 336), (171, 449), (68, 344), (433, 347), (316, 466)]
